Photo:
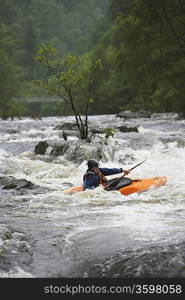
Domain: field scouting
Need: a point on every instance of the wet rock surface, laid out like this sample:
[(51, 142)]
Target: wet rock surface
[(22, 185), (41, 147), (127, 128), (15, 249), (142, 262), (10, 182), (79, 151)]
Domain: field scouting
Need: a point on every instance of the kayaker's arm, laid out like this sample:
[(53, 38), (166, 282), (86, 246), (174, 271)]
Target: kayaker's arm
[(112, 171)]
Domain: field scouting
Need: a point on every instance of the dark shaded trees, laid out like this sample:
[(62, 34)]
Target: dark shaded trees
[(10, 72), (143, 52), (25, 24)]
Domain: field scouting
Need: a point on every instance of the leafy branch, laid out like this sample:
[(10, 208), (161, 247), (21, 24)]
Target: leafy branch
[(70, 78)]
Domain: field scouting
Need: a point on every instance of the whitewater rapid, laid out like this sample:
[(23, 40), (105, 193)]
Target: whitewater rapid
[(52, 234)]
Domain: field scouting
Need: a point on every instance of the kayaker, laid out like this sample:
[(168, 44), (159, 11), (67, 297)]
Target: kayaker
[(95, 176)]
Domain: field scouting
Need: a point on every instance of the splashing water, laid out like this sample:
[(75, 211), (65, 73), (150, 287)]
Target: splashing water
[(65, 233)]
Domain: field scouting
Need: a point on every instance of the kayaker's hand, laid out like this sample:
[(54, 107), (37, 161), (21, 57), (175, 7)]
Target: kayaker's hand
[(126, 172)]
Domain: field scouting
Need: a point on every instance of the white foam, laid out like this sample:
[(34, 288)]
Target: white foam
[(16, 272), (150, 215)]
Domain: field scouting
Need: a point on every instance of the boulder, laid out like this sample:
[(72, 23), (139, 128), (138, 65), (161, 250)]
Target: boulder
[(9, 182), (60, 149), (22, 185), (78, 151), (41, 148)]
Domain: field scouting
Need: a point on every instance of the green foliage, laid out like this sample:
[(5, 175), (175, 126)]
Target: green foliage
[(141, 44), (52, 109), (66, 21), (109, 132), (70, 78), (16, 109), (147, 65), (25, 24)]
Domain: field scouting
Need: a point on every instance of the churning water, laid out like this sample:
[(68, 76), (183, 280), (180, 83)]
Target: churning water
[(93, 233)]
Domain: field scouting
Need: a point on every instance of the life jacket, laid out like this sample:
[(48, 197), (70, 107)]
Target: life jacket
[(102, 178)]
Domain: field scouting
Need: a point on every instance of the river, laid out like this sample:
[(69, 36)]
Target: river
[(93, 233)]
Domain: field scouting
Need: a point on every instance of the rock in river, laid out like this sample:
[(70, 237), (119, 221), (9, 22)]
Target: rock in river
[(41, 147), (9, 182), (78, 151)]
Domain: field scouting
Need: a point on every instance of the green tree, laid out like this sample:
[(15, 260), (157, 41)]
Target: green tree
[(70, 78), (144, 57), (151, 53)]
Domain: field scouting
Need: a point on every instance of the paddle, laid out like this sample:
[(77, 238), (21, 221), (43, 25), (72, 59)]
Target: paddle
[(114, 183)]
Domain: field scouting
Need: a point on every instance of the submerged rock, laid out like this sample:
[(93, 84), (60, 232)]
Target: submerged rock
[(5, 232), (127, 128), (15, 250)]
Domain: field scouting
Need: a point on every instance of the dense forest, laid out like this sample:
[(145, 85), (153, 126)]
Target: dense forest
[(141, 44), (143, 53)]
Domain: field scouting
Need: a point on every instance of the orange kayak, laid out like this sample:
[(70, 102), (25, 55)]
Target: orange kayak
[(137, 185)]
